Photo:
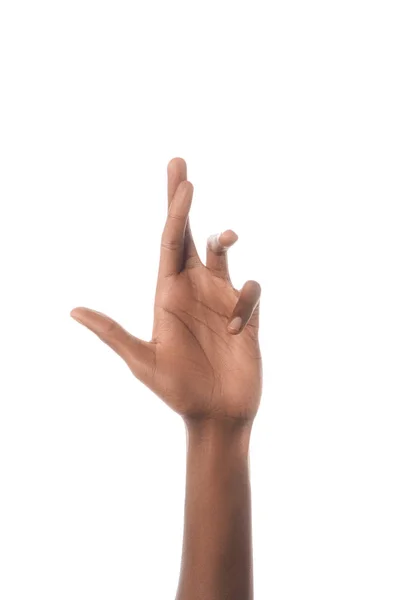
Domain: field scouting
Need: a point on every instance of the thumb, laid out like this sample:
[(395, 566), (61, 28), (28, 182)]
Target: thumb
[(138, 354)]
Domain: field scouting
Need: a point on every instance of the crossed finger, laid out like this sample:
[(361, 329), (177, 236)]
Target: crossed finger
[(217, 246), (177, 245)]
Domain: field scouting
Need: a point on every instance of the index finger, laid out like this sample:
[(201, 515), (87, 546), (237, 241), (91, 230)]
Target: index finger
[(173, 236)]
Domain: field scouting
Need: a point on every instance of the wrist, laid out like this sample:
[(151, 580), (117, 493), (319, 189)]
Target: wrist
[(215, 435)]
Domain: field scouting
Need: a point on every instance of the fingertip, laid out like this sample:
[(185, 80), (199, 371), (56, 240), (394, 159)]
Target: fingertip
[(94, 320), (233, 234), (82, 315), (176, 163), (184, 193), (253, 287), (228, 238), (74, 313), (220, 242), (187, 186)]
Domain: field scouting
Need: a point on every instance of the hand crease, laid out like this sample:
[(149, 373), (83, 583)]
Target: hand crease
[(201, 347), (205, 325), (212, 309)]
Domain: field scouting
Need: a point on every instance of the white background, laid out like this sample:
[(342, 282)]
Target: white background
[(287, 114)]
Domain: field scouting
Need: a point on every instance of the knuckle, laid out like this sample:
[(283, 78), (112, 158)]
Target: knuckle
[(110, 328), (176, 217), (170, 244)]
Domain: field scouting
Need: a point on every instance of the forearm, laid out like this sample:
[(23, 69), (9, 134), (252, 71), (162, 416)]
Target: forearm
[(217, 552)]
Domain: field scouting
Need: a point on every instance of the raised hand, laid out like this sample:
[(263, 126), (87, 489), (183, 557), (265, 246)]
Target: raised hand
[(204, 358)]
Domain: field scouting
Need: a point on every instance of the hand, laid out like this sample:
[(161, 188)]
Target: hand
[(204, 358)]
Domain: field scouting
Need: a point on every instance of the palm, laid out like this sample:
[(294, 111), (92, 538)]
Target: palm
[(197, 361), (200, 367)]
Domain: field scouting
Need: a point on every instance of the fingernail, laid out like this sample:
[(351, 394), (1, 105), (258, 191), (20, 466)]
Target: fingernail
[(235, 324)]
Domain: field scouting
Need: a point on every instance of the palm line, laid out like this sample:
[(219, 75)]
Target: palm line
[(205, 324), (198, 342)]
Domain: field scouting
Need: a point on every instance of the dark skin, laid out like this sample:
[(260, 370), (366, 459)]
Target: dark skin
[(204, 361)]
